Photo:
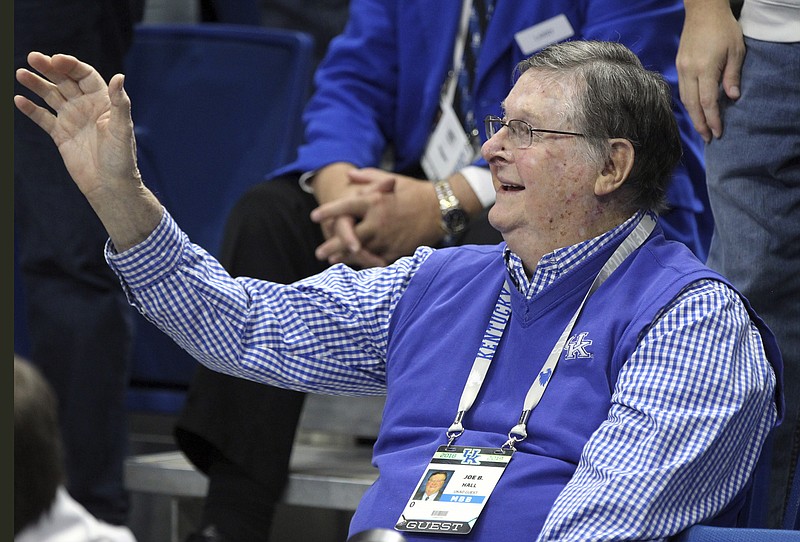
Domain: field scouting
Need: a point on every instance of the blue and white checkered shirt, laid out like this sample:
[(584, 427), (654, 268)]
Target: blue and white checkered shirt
[(663, 459)]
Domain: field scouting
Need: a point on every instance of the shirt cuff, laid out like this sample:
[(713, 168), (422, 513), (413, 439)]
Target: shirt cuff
[(146, 263), (305, 181), (480, 180)]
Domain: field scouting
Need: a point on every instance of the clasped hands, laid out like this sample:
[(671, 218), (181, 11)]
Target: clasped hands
[(371, 217)]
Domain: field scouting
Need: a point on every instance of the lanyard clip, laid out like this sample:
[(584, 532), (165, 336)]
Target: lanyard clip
[(456, 429), (518, 433)]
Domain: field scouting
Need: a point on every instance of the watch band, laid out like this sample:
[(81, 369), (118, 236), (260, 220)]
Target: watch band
[(454, 218)]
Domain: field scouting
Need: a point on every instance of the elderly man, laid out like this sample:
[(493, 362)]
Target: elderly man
[(594, 379)]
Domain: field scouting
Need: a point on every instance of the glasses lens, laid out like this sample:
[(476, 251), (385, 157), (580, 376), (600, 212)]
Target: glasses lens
[(521, 134), (492, 125)]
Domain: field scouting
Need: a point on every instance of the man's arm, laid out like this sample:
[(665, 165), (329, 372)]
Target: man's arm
[(690, 411), (233, 326), (309, 336), (92, 127), (711, 51)]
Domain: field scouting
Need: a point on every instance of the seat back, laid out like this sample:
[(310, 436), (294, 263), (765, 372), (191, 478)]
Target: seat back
[(753, 517), (756, 504), (216, 107), (791, 517)]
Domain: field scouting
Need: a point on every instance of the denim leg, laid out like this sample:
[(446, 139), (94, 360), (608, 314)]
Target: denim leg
[(754, 187)]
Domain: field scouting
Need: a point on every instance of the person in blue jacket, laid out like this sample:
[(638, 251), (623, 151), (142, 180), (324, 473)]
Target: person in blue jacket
[(594, 380), (397, 74)]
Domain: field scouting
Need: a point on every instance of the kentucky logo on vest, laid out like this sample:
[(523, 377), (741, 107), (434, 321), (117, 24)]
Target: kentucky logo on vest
[(576, 346)]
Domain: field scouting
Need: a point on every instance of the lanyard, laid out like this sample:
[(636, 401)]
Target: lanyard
[(497, 325), (449, 91)]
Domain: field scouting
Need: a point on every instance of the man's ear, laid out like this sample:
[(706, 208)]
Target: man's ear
[(616, 169)]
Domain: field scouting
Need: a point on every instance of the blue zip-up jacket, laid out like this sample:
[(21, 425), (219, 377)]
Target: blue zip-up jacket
[(380, 83)]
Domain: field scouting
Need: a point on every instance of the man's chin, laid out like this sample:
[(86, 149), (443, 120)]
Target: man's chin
[(496, 219)]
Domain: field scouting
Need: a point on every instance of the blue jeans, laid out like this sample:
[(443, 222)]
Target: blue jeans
[(753, 176)]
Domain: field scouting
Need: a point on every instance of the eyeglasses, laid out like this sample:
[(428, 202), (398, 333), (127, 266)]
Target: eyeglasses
[(522, 134)]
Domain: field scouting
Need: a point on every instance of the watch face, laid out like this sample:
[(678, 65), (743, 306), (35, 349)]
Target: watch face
[(455, 220)]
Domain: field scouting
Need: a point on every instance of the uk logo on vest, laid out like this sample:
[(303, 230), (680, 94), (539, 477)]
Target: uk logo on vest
[(576, 347)]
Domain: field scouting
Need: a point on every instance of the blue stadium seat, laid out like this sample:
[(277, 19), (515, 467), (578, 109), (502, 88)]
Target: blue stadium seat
[(752, 520), (215, 108), (791, 518), (705, 533)]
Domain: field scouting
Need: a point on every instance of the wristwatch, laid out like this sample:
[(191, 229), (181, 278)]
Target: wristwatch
[(454, 218)]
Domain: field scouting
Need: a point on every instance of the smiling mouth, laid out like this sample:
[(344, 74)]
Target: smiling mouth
[(511, 187)]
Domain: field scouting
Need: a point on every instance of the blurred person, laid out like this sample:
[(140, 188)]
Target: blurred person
[(322, 19), (44, 511), (585, 307), (740, 82), (78, 322)]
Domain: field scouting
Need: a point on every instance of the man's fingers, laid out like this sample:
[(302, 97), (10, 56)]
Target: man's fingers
[(690, 96), (362, 259), (70, 76), (365, 259), (368, 175), (37, 114), (59, 78), (329, 249), (344, 229), (53, 69), (341, 207), (731, 77), (77, 73), (120, 102), (386, 185), (343, 240), (42, 88), (709, 100)]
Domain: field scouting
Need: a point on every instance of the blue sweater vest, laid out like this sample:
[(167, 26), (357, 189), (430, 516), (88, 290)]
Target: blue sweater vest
[(434, 336)]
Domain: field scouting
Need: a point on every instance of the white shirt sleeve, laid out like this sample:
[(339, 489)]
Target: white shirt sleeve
[(480, 180)]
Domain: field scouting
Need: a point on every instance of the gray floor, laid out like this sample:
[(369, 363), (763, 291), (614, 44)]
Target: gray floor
[(150, 515)]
